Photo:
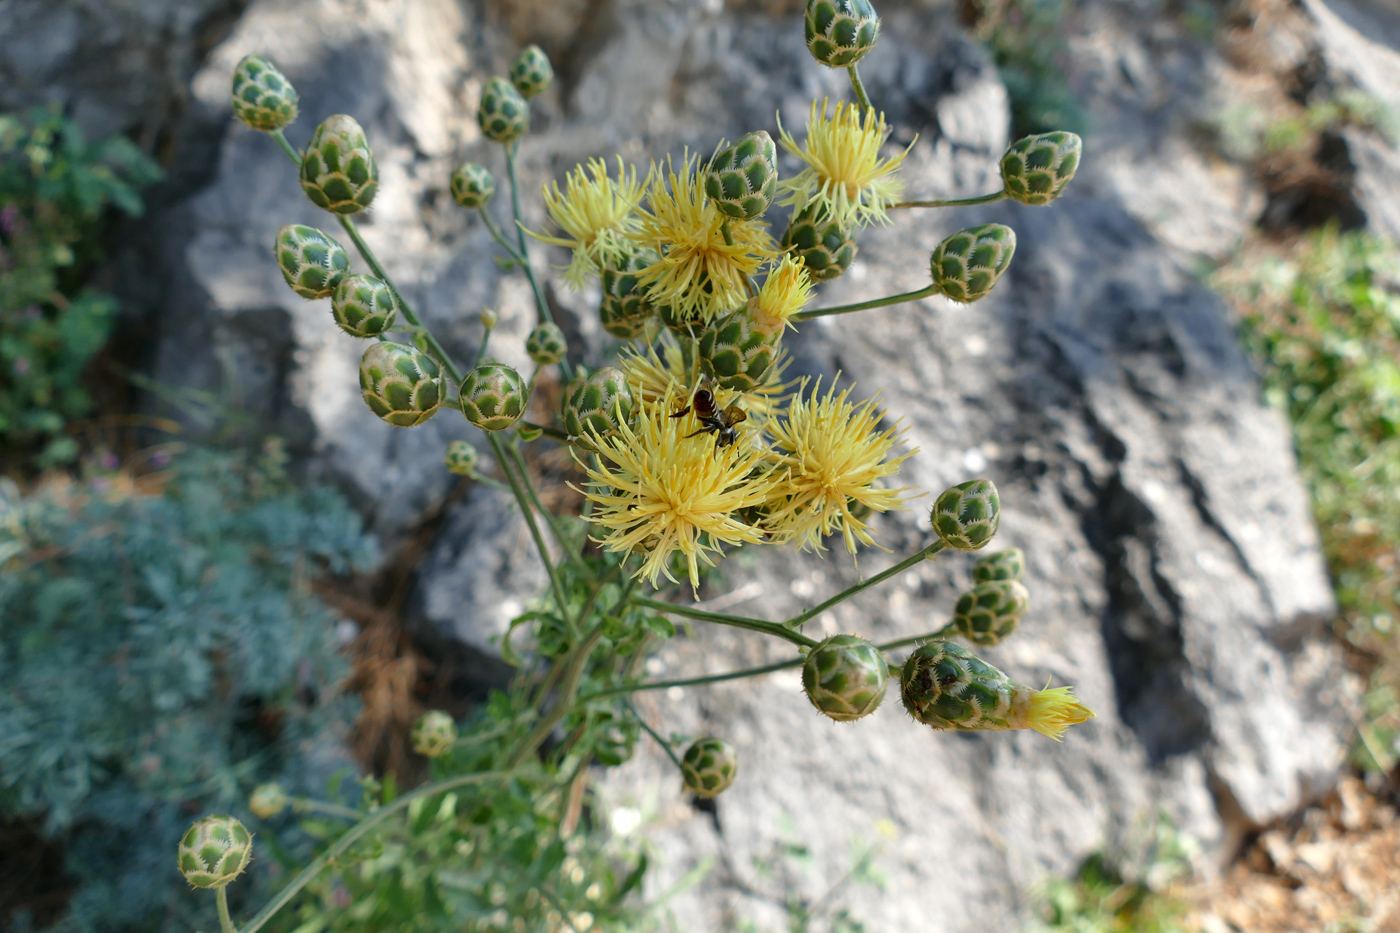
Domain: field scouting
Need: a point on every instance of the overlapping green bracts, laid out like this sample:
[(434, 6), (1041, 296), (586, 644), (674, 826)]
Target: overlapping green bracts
[(687, 327), (625, 307), (966, 516), (214, 851), (741, 180), (546, 344), (736, 355), (364, 306), (599, 404), (503, 115), (840, 32), (338, 171), (433, 734), (1009, 564), (824, 247), (460, 458), (472, 185), (262, 96), (312, 262), (492, 396), (947, 687), (967, 265), (1037, 168), (989, 612), (400, 384), (531, 72), (845, 677), (709, 766)]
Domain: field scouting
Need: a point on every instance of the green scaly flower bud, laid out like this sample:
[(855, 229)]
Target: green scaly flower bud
[(625, 308), (1036, 169), (472, 185), (338, 171), (997, 566), (546, 344), (401, 384), (824, 247), (312, 262), (433, 734), (709, 766), (364, 306), (989, 612), (531, 72), (267, 800), (966, 266), (966, 516), (840, 32), (492, 396), (680, 324), (599, 404), (262, 96), (741, 180), (214, 851), (844, 677), (460, 458), (735, 354), (947, 687), (503, 115)]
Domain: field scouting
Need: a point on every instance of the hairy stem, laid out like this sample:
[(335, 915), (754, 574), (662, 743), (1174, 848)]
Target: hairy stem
[(798, 621), (859, 87), (777, 629), (953, 202), (225, 921), (866, 305), (646, 727)]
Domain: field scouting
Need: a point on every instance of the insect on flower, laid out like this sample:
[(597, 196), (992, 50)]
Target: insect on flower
[(707, 412)]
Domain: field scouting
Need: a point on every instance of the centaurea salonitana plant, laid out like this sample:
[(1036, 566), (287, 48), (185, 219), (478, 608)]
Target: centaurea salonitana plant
[(690, 447)]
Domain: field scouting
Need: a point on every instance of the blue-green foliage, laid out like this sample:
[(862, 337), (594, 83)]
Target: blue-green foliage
[(159, 654), (55, 187), (1027, 41)]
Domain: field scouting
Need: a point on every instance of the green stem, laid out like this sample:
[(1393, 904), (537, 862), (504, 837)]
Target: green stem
[(728, 237), (646, 727), (287, 147), (755, 625), (799, 620), (953, 202), (500, 237), (549, 518), (866, 305), (494, 484), (481, 350), (225, 921), (357, 832), (525, 510), (547, 431), (307, 805), (859, 87), (568, 690)]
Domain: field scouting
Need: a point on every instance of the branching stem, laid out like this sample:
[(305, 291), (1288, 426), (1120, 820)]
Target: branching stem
[(866, 305), (798, 621), (756, 625), (529, 513), (953, 202)]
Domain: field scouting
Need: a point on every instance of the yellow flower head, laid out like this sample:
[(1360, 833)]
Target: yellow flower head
[(844, 169), (657, 492), (597, 214), (786, 291), (699, 273), (834, 453), (650, 375)]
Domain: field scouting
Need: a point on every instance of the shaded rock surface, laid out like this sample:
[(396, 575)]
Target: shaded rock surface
[(1175, 573)]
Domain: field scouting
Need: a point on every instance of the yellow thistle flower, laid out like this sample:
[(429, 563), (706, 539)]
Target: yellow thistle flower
[(597, 214), (844, 170), (698, 274), (650, 375), (657, 492), (833, 452), (1054, 710), (786, 291)]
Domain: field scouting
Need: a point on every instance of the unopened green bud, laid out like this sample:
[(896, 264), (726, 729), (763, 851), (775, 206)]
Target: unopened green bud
[(531, 71), (966, 266), (460, 458), (709, 766), (687, 326), (599, 405), (1037, 168), (262, 96), (338, 171), (742, 179), (214, 851), (434, 734), (312, 262), (546, 344), (400, 384), (735, 354), (997, 566), (824, 247), (844, 677), (472, 185), (489, 319), (504, 116), (966, 516), (840, 32), (267, 800), (625, 307), (989, 612), (492, 396), (364, 306)]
